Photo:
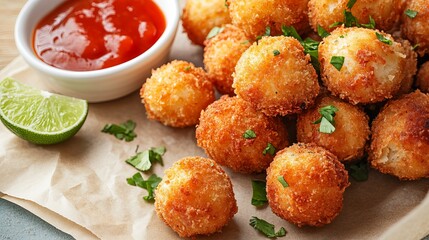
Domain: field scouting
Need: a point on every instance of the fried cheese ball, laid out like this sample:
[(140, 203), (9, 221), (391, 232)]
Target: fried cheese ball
[(423, 78), (195, 197), (305, 185), (415, 28), (400, 137), (386, 13), (201, 16), (176, 93), (221, 54), (351, 133), (222, 134), (254, 16), (276, 77), (372, 70), (410, 69)]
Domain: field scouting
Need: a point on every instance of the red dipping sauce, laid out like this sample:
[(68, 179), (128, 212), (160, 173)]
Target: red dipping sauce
[(84, 35)]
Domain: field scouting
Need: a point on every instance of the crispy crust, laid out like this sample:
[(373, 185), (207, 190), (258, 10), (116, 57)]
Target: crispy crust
[(253, 16), (400, 137), (195, 197), (200, 16), (351, 133), (221, 54), (276, 85), (176, 93), (372, 71), (220, 134), (316, 179), (423, 78), (416, 29)]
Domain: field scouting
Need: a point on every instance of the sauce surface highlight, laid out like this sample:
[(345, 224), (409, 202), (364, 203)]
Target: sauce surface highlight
[(84, 35)]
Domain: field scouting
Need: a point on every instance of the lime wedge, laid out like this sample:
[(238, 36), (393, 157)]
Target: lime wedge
[(38, 116)]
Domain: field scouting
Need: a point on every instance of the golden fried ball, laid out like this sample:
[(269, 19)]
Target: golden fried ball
[(410, 68), (400, 137), (372, 70), (221, 134), (201, 16), (195, 197), (351, 133), (276, 77), (416, 29), (423, 78), (221, 54), (316, 182), (254, 16), (386, 13), (176, 93)]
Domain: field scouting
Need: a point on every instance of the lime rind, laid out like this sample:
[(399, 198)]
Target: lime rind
[(39, 116)]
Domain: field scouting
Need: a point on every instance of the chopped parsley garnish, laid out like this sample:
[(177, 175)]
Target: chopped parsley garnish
[(290, 31), (350, 20), (370, 25), (187, 68), (249, 134), (270, 149), (327, 122), (282, 180), (322, 32), (351, 3), (245, 42), (266, 228), (150, 184), (215, 31), (123, 131), (337, 62), (359, 171), (143, 160), (383, 39), (415, 47), (259, 197), (266, 34), (411, 13), (276, 52)]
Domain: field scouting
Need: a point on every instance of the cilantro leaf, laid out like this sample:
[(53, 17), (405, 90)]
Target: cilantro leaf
[(383, 39), (259, 197), (290, 31), (359, 171), (143, 160), (269, 149), (322, 32), (282, 180), (150, 184), (266, 228), (215, 31), (370, 25), (276, 52), (337, 62), (327, 121), (123, 131), (351, 3), (249, 134), (411, 13), (350, 20)]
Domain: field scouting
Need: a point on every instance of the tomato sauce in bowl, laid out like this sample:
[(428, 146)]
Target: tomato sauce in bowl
[(85, 35)]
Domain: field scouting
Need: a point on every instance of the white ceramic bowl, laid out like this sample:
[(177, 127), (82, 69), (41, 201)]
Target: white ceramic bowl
[(97, 85)]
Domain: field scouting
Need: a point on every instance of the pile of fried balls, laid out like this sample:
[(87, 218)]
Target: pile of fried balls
[(304, 88)]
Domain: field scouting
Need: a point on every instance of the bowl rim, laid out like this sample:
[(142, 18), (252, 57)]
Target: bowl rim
[(23, 45)]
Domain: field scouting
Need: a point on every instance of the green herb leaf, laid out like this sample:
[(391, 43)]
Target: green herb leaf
[(351, 3), (383, 39), (282, 180), (290, 31), (276, 52), (322, 32), (266, 228), (150, 184), (350, 20), (187, 68), (259, 197), (359, 171), (411, 13), (249, 134), (311, 47), (337, 62), (123, 131), (327, 122), (143, 160), (215, 31), (370, 25), (270, 149), (335, 24), (415, 47), (245, 42), (266, 34)]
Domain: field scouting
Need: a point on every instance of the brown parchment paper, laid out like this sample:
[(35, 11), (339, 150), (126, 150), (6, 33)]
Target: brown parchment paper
[(80, 186)]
